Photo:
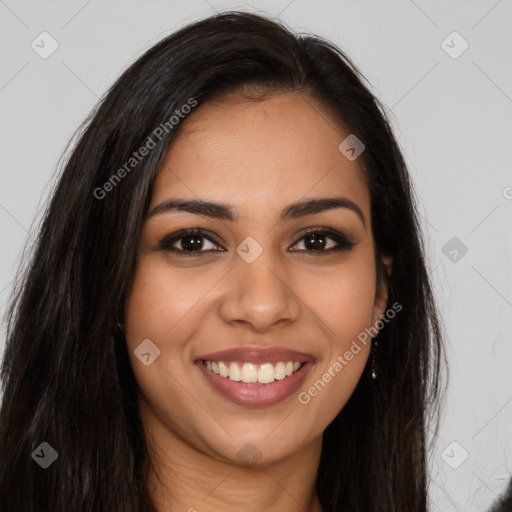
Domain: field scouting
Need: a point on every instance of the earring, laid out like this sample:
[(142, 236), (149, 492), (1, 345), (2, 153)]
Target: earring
[(374, 364)]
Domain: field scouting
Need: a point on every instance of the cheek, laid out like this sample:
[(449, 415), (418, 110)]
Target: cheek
[(160, 301), (345, 301), (345, 305), (161, 308)]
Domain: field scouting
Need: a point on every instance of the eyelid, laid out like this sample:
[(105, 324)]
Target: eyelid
[(323, 229)]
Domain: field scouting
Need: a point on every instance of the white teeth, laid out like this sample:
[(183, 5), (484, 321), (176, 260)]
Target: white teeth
[(223, 369), (266, 373), (234, 372), (280, 371), (251, 373)]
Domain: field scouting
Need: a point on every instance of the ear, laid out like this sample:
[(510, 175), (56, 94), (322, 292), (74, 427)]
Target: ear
[(381, 293)]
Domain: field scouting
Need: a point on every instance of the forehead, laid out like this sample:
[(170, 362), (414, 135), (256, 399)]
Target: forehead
[(260, 154)]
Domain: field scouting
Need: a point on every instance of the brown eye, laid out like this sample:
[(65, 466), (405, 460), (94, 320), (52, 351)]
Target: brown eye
[(321, 241), (193, 242)]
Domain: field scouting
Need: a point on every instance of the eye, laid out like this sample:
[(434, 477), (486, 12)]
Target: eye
[(191, 241), (316, 241)]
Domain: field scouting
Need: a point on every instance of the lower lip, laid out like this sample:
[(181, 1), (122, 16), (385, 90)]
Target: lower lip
[(243, 393)]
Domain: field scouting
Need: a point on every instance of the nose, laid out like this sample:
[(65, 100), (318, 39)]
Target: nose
[(259, 295)]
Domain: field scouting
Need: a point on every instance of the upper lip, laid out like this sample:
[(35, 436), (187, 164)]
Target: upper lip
[(257, 355)]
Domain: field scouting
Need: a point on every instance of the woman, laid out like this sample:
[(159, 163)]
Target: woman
[(227, 307)]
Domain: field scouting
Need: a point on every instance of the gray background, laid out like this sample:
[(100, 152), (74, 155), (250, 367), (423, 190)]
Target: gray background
[(452, 117)]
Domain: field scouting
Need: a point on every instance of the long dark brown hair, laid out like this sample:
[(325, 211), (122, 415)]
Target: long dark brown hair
[(504, 503), (66, 377)]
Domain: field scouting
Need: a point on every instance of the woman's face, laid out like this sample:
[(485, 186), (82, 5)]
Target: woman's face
[(253, 286)]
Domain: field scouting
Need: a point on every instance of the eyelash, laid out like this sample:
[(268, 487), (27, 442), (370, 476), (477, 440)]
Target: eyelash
[(344, 243)]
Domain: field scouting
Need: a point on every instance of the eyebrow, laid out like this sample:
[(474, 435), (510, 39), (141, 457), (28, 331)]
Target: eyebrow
[(227, 212)]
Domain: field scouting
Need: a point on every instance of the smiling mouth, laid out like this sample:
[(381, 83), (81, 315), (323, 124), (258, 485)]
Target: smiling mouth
[(253, 373)]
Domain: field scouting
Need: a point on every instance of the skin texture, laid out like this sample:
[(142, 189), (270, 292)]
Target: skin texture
[(259, 156)]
